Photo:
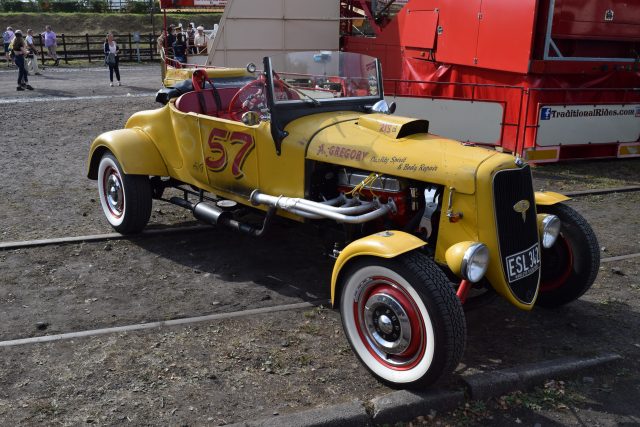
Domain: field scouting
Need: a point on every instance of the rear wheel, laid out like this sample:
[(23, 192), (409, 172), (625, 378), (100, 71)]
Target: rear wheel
[(125, 199), (570, 266), (402, 319)]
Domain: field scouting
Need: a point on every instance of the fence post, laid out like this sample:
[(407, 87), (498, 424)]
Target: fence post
[(41, 50), (151, 45), (88, 46), (130, 49), (64, 49)]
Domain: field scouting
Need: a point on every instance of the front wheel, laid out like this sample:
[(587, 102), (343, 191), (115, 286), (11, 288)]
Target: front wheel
[(125, 199), (402, 319), (570, 266)]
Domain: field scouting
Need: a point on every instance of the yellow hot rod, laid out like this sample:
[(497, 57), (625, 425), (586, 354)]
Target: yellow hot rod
[(427, 224)]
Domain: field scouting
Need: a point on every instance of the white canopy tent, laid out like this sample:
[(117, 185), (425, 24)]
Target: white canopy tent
[(250, 30)]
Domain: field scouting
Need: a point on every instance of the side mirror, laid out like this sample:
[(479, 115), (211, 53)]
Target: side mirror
[(251, 67), (251, 118)]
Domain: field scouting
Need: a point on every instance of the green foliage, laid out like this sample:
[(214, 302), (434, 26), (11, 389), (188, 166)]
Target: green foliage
[(18, 6), (44, 5), (139, 6), (97, 6), (66, 6)]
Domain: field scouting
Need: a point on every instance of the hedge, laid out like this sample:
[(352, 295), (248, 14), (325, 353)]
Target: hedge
[(99, 6)]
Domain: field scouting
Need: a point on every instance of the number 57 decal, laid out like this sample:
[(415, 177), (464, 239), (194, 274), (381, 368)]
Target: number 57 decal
[(219, 139)]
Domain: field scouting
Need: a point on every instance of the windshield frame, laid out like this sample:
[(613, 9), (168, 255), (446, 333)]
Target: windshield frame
[(284, 112)]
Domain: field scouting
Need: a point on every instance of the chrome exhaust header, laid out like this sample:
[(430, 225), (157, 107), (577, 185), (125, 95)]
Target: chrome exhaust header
[(342, 209)]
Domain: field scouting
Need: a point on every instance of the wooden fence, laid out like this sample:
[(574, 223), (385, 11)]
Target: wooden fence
[(91, 47)]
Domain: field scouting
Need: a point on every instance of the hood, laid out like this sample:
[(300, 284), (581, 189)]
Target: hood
[(391, 145)]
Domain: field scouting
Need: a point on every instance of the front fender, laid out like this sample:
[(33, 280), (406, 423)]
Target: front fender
[(386, 244), (548, 198), (135, 151)]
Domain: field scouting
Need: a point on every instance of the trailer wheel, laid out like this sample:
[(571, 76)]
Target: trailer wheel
[(402, 319), (125, 199), (570, 266)]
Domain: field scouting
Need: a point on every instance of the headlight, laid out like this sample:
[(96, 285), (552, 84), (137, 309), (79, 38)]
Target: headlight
[(549, 228), (475, 262), (468, 260)]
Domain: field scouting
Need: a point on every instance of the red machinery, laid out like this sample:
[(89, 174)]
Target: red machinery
[(547, 79)]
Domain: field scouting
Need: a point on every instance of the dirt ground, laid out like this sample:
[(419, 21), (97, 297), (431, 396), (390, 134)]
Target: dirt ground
[(225, 371)]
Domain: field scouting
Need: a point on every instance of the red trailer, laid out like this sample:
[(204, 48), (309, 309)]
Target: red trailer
[(547, 79)]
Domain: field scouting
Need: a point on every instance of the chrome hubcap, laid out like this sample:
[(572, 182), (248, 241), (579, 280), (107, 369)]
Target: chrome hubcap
[(114, 195), (387, 324)]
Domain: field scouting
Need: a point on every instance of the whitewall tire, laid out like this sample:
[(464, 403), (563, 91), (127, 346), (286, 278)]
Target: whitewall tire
[(125, 199)]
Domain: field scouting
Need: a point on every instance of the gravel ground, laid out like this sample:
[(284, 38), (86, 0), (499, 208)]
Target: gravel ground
[(225, 371)]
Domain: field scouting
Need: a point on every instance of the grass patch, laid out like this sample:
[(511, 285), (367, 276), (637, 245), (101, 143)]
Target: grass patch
[(78, 23)]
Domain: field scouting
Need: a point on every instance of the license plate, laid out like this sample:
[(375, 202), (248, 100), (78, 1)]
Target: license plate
[(523, 263)]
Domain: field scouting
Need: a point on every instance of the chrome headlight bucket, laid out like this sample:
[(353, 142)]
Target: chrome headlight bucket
[(475, 262), (468, 260), (549, 229)]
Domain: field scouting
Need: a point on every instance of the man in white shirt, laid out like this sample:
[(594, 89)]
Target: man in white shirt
[(32, 56), (200, 40)]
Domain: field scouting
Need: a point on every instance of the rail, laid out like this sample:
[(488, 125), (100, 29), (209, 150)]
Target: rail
[(26, 244)]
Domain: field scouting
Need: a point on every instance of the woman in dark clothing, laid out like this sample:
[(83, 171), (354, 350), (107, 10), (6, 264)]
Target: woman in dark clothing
[(171, 36), (111, 58), (180, 49), (19, 50)]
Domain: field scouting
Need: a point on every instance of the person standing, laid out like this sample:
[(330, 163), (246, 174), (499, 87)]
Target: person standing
[(50, 43), (32, 55), (136, 40), (19, 48), (180, 49), (112, 58), (161, 40), (201, 41), (191, 32), (171, 36), (7, 36)]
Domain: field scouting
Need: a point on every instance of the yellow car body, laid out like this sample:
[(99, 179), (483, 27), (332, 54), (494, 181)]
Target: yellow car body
[(317, 146), (168, 142)]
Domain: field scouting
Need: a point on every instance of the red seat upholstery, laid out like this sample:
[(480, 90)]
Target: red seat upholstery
[(197, 102), (191, 102)]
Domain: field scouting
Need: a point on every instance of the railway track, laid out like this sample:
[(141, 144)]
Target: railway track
[(211, 317), (25, 244), (161, 324)]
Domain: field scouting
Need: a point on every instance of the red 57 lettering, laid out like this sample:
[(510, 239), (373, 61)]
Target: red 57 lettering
[(218, 159), (219, 139)]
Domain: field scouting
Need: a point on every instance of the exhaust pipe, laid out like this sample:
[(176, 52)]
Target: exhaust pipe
[(214, 215)]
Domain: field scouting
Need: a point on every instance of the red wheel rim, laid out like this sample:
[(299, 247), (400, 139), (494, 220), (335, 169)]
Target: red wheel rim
[(385, 289), (562, 250)]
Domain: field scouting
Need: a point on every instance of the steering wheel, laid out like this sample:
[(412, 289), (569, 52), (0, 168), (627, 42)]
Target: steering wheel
[(250, 97), (253, 96), (199, 79)]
